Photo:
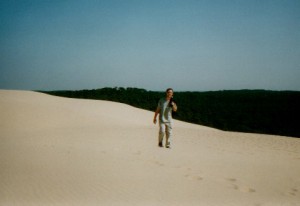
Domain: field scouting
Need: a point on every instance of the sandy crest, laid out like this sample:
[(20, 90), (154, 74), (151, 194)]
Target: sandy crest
[(60, 151)]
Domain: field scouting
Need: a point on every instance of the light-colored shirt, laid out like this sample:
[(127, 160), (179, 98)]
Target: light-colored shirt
[(165, 114)]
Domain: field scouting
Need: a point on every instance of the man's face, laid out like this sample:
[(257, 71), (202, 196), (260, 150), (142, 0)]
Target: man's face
[(170, 93)]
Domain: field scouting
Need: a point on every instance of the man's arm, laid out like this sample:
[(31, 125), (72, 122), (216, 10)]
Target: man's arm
[(155, 115)]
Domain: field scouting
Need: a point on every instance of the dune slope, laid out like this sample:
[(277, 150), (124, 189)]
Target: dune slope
[(59, 151)]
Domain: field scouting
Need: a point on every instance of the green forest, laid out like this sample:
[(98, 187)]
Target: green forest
[(253, 111)]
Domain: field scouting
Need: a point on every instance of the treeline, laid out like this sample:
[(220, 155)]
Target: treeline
[(254, 111)]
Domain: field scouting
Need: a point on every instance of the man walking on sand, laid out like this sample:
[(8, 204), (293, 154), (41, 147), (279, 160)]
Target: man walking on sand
[(164, 108)]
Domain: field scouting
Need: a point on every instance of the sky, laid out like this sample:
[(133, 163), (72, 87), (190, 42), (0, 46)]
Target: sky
[(189, 45)]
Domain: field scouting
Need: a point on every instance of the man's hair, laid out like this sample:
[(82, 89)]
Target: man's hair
[(169, 89)]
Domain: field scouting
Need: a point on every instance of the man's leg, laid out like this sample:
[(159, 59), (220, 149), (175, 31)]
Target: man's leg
[(161, 134), (168, 134)]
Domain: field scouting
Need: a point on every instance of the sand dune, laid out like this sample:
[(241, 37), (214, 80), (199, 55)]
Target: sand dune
[(59, 151)]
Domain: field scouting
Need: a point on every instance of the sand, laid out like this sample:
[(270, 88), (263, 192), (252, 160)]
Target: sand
[(60, 151)]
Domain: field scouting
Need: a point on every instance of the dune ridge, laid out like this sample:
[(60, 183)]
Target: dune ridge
[(60, 151)]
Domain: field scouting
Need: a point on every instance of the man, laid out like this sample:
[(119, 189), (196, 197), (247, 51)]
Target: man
[(164, 108)]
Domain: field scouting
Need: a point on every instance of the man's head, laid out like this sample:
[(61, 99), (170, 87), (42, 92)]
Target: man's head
[(169, 92), (169, 89)]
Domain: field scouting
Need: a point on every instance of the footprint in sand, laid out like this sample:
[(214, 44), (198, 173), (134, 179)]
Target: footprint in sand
[(247, 189), (293, 192), (231, 179), (159, 163), (243, 189), (190, 174), (193, 177), (236, 186)]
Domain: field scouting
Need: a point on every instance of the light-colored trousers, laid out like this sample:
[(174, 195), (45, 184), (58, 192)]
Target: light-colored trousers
[(165, 128)]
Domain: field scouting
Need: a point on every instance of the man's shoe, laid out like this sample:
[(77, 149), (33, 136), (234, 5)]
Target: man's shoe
[(168, 146), (160, 144)]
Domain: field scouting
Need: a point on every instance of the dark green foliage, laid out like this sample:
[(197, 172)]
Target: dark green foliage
[(254, 111)]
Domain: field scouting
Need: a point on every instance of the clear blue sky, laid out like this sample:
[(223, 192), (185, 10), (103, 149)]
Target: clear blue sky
[(198, 45)]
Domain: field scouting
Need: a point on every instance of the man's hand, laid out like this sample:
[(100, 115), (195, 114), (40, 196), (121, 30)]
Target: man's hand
[(174, 107), (154, 121)]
